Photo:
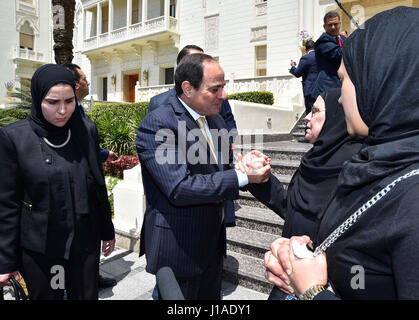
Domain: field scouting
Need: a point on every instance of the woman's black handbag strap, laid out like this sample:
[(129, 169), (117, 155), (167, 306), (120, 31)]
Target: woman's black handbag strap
[(17, 289)]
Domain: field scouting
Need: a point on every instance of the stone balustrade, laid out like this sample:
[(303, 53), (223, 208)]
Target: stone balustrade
[(287, 90), (131, 32)]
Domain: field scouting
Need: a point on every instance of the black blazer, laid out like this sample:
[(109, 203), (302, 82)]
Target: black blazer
[(25, 212), (182, 224)]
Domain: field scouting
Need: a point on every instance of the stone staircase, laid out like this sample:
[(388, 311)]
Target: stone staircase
[(256, 225)]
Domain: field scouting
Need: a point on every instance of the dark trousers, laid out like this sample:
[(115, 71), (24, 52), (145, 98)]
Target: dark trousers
[(308, 101), (81, 274), (206, 286)]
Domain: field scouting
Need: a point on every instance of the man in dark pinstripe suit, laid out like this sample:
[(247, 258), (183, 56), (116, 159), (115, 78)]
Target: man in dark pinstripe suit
[(188, 175)]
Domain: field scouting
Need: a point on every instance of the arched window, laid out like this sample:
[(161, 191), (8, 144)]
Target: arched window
[(26, 36)]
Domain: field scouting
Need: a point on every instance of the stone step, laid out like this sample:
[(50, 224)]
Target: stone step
[(247, 199), (284, 167), (246, 271), (281, 150), (264, 220), (249, 242), (299, 134)]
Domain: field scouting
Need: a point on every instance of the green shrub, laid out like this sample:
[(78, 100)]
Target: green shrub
[(8, 116), (118, 111), (117, 125), (263, 97), (19, 113)]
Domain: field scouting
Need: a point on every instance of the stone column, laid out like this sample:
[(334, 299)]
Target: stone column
[(84, 25), (308, 16), (110, 17), (99, 19), (129, 13), (166, 13), (144, 13)]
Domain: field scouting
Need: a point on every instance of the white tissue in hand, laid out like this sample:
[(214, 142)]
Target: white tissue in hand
[(301, 251)]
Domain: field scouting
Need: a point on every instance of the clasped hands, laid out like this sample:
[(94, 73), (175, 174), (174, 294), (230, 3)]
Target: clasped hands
[(256, 165), (290, 273)]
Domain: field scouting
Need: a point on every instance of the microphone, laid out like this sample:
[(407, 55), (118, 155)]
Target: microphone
[(167, 285)]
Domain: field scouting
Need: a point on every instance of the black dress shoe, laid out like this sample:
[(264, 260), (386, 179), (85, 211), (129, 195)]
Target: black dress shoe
[(106, 282), (303, 140)]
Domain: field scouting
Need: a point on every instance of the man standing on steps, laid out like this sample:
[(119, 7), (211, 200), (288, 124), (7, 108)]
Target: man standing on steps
[(307, 68), (328, 49), (187, 173), (82, 90)]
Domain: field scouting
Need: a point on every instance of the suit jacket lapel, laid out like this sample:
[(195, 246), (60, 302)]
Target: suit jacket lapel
[(191, 124)]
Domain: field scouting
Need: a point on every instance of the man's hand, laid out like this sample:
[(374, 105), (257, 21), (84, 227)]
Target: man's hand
[(107, 247), (113, 157), (256, 165), (293, 63), (260, 175)]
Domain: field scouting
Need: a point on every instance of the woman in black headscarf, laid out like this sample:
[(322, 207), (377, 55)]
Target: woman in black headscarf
[(373, 220), (316, 178), (54, 209)]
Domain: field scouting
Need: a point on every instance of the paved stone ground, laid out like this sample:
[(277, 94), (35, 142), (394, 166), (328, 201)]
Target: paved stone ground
[(134, 283)]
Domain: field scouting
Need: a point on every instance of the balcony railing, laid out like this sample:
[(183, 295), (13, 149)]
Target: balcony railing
[(24, 53), (286, 89), (131, 32)]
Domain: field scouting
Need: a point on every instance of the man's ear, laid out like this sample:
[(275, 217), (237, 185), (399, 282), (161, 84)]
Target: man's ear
[(77, 85), (187, 88)]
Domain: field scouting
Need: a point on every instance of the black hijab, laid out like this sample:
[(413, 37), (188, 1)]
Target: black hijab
[(381, 60), (43, 79), (320, 167)]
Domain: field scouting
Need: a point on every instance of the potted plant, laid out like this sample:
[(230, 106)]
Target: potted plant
[(303, 37), (9, 87)]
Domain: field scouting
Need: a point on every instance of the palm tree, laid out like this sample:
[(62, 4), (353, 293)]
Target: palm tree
[(23, 94), (63, 23)]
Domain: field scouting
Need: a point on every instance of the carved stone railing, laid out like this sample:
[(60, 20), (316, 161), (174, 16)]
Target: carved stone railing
[(90, 43), (119, 34), (134, 31), (155, 24), (104, 38), (286, 89), (24, 53), (146, 93)]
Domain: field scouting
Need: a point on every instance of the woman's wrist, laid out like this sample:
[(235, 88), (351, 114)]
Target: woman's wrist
[(301, 287), (312, 291)]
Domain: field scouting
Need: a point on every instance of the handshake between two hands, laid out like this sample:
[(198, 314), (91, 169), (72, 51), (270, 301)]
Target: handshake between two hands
[(256, 165)]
